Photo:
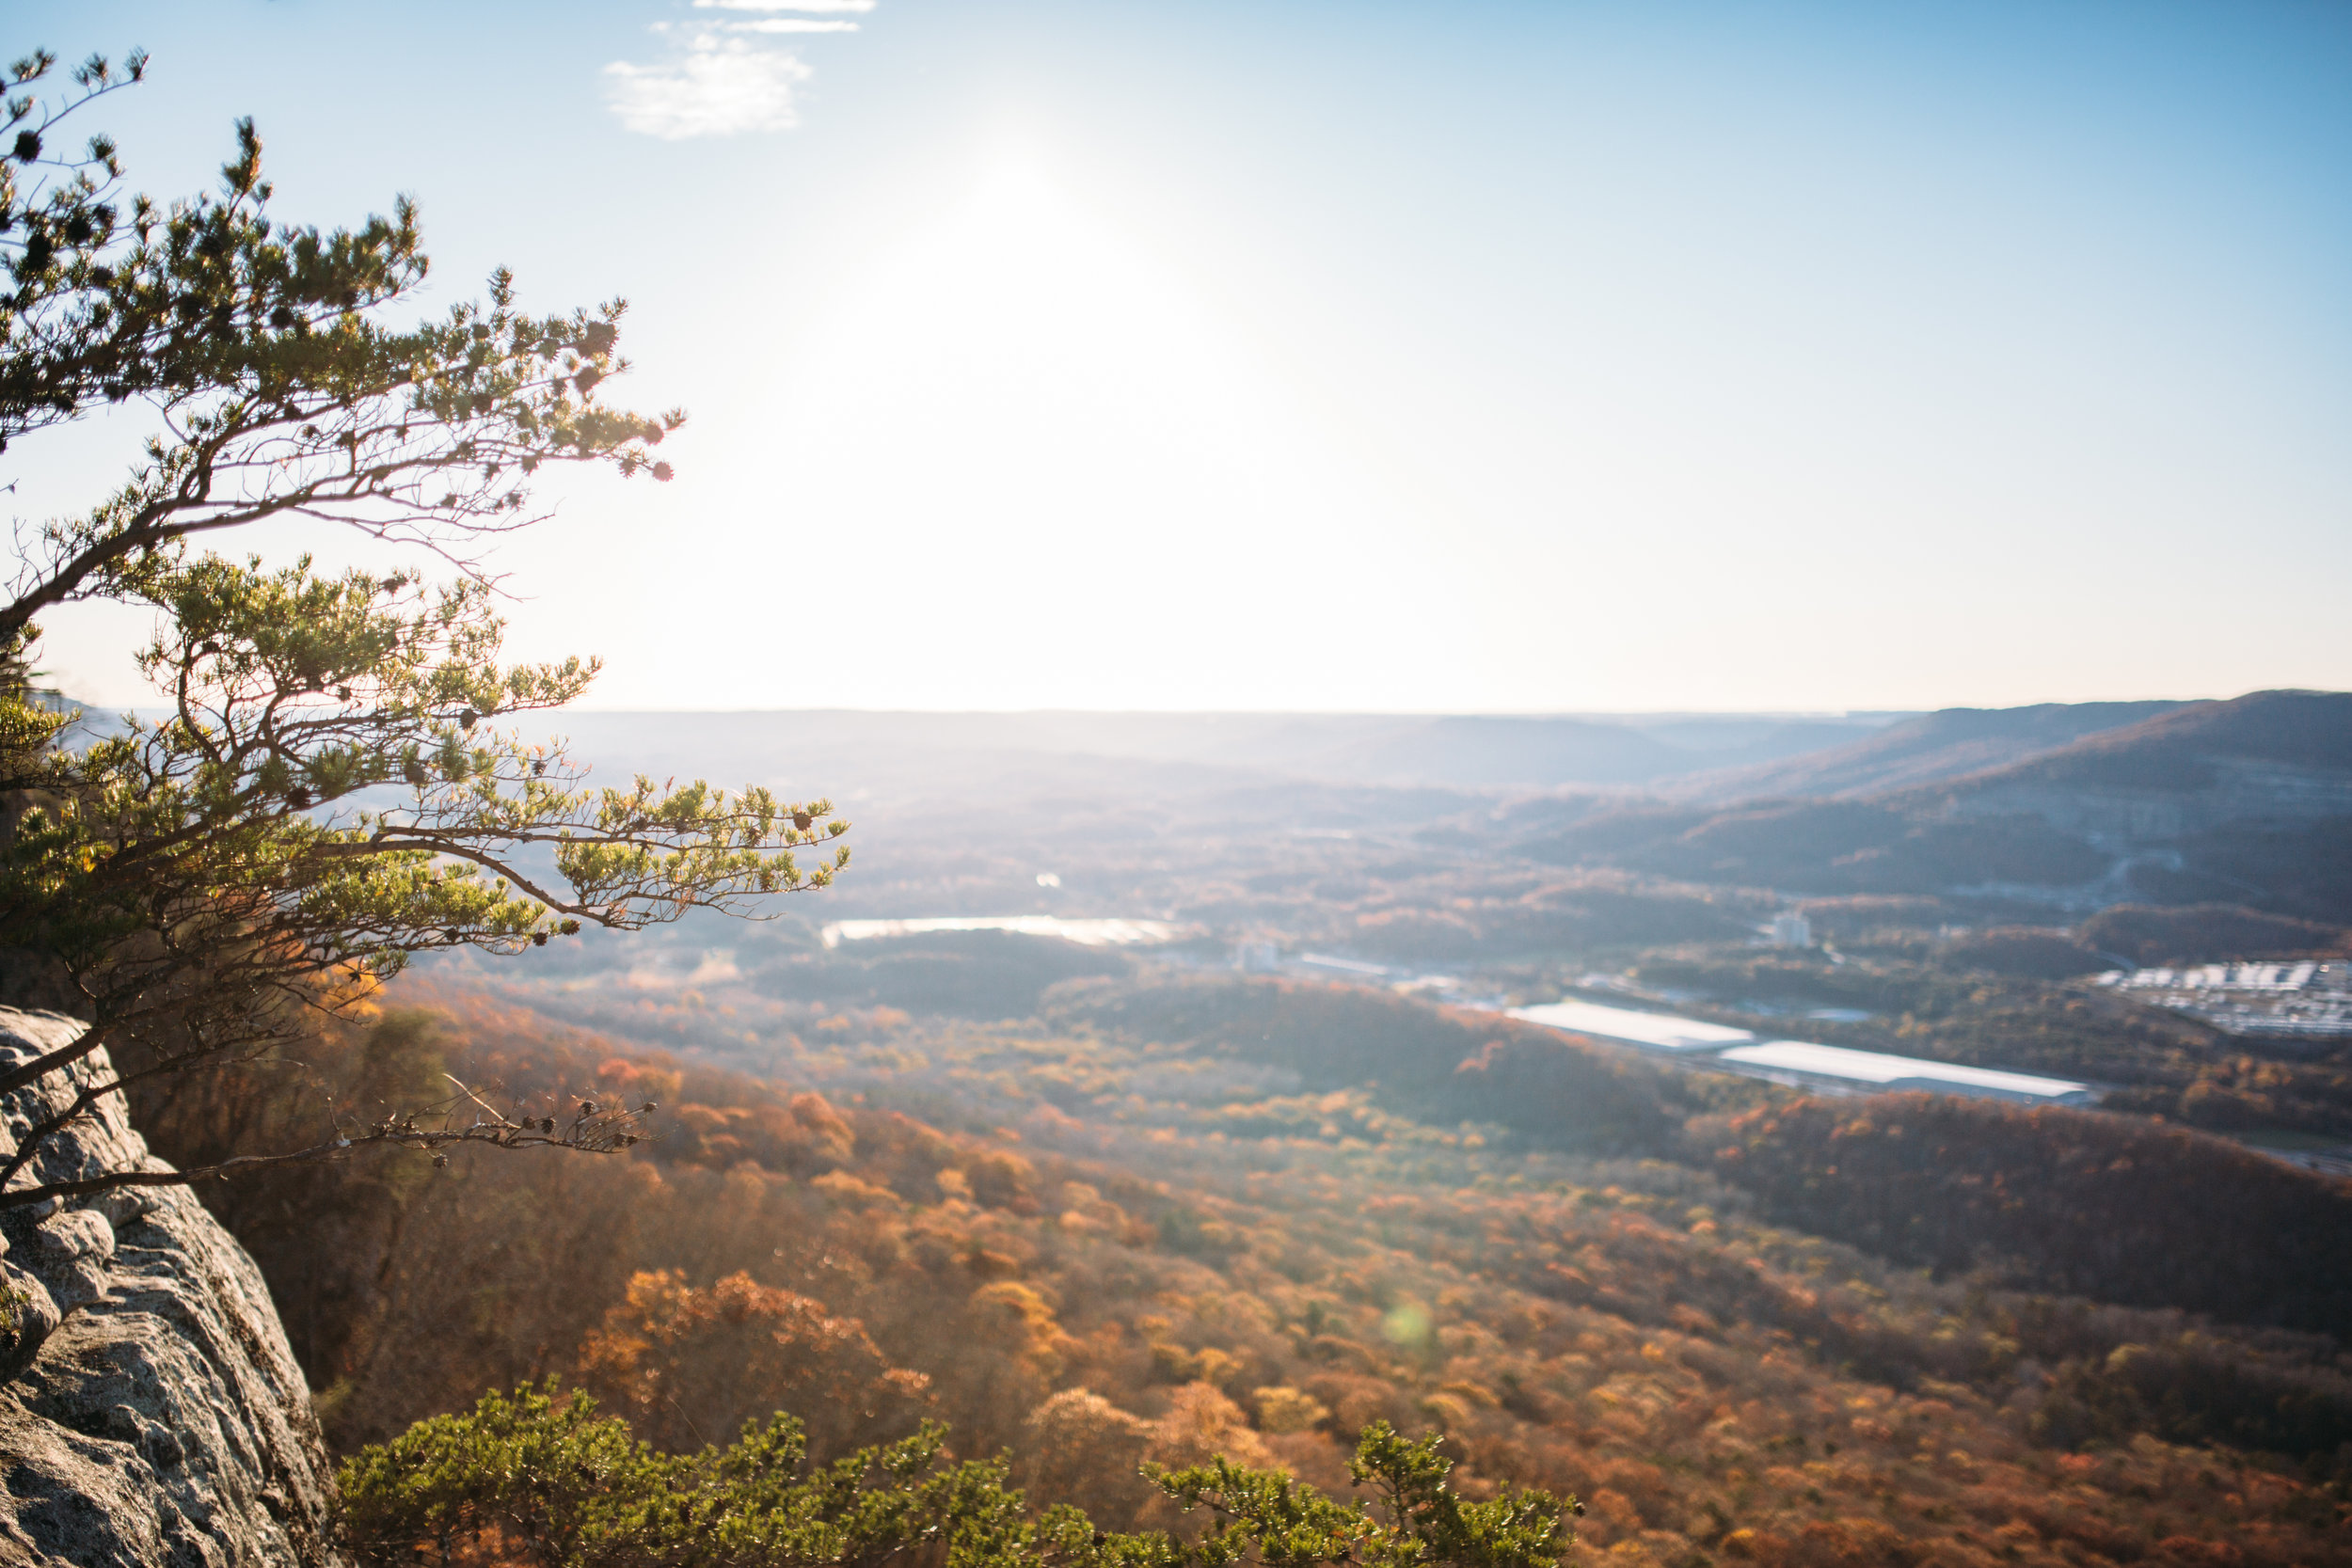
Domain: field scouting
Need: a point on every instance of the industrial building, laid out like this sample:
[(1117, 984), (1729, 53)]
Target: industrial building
[(1801, 1063)]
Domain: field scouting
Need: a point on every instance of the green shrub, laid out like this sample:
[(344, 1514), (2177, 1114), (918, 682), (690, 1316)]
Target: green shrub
[(526, 1479)]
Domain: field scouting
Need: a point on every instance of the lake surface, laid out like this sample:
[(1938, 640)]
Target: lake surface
[(1086, 933)]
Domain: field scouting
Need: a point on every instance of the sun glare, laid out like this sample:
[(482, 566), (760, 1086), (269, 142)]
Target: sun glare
[(1045, 413)]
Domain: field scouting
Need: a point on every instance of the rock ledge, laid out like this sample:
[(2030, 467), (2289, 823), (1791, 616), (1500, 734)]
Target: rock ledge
[(152, 1412)]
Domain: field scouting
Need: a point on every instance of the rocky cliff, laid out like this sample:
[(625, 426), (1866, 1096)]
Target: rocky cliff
[(152, 1413)]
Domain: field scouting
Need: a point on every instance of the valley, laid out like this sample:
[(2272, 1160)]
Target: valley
[(1119, 1107)]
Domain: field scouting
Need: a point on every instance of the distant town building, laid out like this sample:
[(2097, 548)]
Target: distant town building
[(1257, 957), (1791, 929), (2308, 997)]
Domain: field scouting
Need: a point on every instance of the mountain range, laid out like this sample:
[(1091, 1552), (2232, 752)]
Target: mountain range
[(2247, 801), (2071, 806)]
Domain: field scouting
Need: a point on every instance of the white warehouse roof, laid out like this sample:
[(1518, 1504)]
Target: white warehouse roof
[(1905, 1073), (1658, 1030)]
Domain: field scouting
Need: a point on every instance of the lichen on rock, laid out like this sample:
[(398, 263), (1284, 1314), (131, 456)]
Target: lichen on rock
[(152, 1412)]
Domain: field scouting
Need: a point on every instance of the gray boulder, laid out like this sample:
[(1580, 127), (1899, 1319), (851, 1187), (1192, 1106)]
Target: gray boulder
[(152, 1413)]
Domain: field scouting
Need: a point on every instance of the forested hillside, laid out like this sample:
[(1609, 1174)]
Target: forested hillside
[(1248, 1218), (2248, 801), (1950, 743)]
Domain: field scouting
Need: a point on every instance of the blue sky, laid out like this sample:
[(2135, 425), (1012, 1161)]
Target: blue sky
[(1502, 358)]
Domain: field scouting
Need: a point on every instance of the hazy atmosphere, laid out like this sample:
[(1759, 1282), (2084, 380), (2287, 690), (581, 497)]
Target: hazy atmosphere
[(877, 783), (1477, 358)]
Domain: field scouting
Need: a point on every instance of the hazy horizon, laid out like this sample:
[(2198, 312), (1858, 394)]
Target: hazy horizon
[(1680, 357)]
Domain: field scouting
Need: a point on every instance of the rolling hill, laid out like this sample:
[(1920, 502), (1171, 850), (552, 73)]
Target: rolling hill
[(2268, 756), (2247, 801), (1948, 744)]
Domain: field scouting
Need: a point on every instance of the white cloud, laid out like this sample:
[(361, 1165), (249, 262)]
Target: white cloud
[(715, 88), (795, 24), (813, 7), (722, 78)]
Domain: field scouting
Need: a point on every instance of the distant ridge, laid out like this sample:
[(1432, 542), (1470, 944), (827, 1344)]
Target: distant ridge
[(2250, 799), (1949, 744), (2287, 738), (2263, 755), (2243, 802), (1384, 751)]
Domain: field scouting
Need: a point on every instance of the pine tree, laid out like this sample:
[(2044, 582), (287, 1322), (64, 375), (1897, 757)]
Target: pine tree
[(332, 788)]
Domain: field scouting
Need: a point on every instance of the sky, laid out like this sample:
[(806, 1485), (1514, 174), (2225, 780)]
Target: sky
[(1477, 358)]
